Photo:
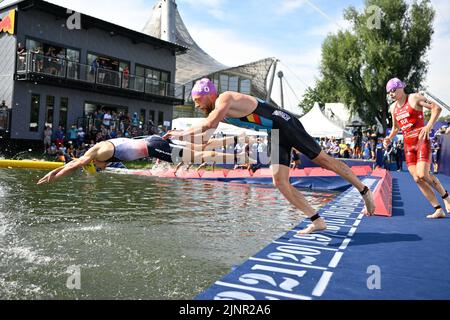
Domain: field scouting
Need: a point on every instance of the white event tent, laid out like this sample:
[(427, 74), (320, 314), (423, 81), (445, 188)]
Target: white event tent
[(319, 126)]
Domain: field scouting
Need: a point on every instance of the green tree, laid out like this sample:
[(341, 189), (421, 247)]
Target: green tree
[(389, 39), (322, 93)]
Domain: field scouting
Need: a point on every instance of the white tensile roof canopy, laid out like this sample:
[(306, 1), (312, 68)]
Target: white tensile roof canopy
[(166, 23)]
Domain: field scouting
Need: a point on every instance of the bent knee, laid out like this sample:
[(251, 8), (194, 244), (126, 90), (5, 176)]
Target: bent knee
[(280, 182), (418, 178)]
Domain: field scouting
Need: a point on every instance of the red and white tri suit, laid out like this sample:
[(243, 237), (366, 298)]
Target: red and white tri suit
[(411, 122)]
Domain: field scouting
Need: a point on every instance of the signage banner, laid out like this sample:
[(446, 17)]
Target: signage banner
[(8, 22)]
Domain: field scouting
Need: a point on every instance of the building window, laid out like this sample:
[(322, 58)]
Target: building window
[(109, 70), (73, 65), (245, 86), (63, 107), (223, 83), (155, 80), (34, 112), (49, 110), (160, 118), (51, 59), (233, 83)]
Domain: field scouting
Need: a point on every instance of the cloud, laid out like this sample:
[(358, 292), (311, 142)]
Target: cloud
[(439, 68), (214, 8), (288, 6), (226, 46), (331, 27), (300, 66)]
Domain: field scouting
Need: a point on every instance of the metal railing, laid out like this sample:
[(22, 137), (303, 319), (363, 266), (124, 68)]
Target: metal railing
[(31, 62)]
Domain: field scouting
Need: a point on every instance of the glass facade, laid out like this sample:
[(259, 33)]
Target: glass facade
[(49, 111), (34, 112), (63, 109)]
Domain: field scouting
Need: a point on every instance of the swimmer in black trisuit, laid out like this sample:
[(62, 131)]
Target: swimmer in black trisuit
[(249, 112), (125, 149)]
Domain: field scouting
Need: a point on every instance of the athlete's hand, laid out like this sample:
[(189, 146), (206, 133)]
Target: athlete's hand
[(171, 134), (425, 133), (49, 177)]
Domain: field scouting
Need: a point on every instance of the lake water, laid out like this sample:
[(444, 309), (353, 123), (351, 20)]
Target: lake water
[(112, 236)]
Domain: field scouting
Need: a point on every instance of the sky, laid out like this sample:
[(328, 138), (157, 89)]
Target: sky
[(236, 32)]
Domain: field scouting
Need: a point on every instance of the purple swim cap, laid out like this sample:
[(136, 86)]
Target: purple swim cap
[(394, 84), (203, 87)]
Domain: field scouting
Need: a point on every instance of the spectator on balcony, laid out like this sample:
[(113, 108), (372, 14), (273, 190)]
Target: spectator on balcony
[(101, 71), (126, 76), (93, 70), (37, 59), (60, 62), (21, 52), (51, 61)]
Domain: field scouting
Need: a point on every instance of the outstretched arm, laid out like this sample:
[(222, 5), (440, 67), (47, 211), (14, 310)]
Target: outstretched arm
[(69, 168), (222, 106), (212, 143)]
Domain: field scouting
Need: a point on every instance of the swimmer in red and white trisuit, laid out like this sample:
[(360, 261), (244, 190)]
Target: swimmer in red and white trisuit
[(407, 115), (125, 149)]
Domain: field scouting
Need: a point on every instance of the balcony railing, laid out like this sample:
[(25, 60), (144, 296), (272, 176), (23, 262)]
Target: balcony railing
[(30, 62)]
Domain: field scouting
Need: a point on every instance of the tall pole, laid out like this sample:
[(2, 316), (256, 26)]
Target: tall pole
[(168, 27), (272, 77), (280, 75)]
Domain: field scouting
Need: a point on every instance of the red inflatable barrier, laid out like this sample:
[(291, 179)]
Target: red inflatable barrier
[(383, 193), (239, 174), (263, 173), (167, 174), (297, 173), (212, 174), (189, 174), (320, 172), (361, 170)]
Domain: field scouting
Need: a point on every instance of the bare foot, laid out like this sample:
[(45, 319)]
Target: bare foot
[(369, 210), (317, 225), (439, 213)]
